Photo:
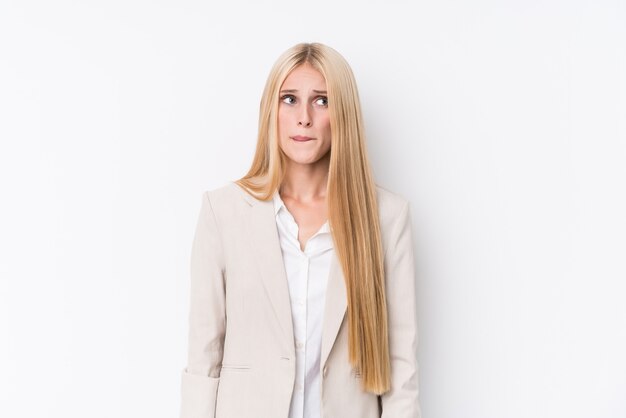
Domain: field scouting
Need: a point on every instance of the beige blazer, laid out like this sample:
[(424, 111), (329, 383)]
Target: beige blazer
[(241, 351)]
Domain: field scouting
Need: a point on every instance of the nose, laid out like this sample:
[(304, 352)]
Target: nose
[(305, 117)]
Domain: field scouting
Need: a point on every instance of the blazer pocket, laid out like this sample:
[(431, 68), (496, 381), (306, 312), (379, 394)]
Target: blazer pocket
[(235, 367)]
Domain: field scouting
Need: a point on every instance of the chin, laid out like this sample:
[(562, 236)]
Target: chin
[(302, 156), (303, 159)]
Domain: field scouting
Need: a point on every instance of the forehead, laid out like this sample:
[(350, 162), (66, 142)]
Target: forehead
[(305, 77)]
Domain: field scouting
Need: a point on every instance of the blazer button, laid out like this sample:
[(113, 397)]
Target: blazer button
[(324, 371)]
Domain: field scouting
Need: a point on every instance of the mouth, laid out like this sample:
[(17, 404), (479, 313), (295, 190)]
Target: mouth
[(300, 138)]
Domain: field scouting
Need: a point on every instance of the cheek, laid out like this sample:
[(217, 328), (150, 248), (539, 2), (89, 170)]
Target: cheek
[(326, 125), (281, 117), (282, 121), (286, 117)]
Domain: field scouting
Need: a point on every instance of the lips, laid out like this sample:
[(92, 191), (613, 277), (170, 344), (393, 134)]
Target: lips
[(300, 138)]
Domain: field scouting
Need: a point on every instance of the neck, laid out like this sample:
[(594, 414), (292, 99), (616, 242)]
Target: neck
[(306, 182)]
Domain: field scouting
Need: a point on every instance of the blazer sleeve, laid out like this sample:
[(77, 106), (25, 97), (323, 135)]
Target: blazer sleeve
[(207, 319), (401, 401)]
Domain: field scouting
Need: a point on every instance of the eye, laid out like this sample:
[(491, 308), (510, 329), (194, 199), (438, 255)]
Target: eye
[(322, 101), (285, 98)]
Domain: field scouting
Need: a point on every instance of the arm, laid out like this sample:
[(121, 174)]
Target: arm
[(207, 319), (401, 401)]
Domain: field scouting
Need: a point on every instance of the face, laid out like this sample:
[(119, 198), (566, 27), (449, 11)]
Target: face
[(303, 116)]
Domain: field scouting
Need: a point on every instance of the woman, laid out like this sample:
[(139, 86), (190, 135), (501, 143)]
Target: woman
[(302, 272)]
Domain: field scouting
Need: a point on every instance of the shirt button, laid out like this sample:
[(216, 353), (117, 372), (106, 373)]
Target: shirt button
[(299, 387), (301, 302), (299, 344)]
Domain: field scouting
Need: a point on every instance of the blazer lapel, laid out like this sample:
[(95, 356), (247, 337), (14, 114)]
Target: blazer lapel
[(334, 309), (265, 248)]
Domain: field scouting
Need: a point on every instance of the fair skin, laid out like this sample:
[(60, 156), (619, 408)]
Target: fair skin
[(303, 112)]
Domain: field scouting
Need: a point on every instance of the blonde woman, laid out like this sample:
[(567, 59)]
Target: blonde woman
[(302, 272)]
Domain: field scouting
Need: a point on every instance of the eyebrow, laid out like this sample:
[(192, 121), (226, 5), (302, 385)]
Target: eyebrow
[(295, 91)]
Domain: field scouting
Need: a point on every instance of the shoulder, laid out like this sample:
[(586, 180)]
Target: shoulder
[(390, 203), (393, 208), (224, 195), (226, 202)]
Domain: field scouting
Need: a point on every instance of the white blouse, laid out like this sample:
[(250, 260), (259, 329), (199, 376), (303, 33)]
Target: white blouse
[(307, 275)]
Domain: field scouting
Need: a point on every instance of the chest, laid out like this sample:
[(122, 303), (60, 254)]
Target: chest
[(309, 218)]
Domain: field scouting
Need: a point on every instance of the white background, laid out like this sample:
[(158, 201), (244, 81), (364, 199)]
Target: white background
[(503, 122)]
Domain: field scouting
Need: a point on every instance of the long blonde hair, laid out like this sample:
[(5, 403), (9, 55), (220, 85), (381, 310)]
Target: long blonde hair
[(351, 198)]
